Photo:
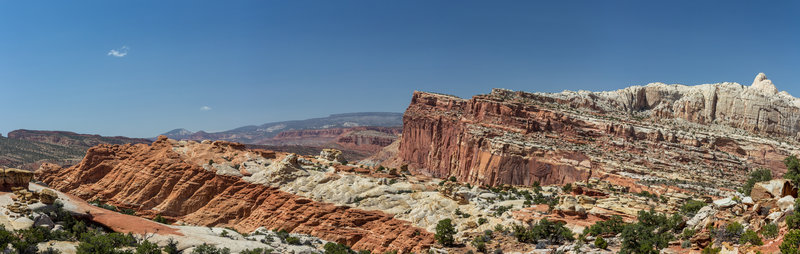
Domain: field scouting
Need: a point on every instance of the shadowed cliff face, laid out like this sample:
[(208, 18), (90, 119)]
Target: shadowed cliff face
[(154, 179), (709, 134)]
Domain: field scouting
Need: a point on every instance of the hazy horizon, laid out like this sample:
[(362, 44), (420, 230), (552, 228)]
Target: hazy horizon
[(143, 68)]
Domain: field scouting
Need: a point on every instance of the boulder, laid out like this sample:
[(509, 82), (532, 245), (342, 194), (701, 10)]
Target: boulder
[(48, 196), (701, 240), (786, 203), (776, 188), (12, 177), (569, 205), (748, 201), (43, 221), (724, 203), (332, 155), (702, 214), (22, 223), (774, 217)]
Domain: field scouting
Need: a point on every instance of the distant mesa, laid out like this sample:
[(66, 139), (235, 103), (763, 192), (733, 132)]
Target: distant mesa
[(259, 134), (27, 149)]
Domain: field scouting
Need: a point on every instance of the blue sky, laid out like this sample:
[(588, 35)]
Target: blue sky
[(217, 65)]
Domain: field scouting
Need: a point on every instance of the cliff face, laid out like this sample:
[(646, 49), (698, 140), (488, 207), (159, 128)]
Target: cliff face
[(474, 141), (706, 133), (157, 180), (758, 108)]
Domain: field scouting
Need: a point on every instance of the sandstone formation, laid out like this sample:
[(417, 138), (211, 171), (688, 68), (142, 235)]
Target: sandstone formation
[(13, 178), (758, 108), (192, 185), (331, 155), (707, 134)]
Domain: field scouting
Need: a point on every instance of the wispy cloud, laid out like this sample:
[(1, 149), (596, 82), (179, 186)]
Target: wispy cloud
[(120, 52), (205, 108)]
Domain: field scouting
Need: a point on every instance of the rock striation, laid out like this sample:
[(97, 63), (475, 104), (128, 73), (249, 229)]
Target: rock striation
[(757, 108), (656, 132), (159, 179)]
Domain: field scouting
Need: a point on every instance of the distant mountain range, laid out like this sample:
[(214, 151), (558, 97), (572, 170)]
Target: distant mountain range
[(357, 134), (262, 134), (28, 148)]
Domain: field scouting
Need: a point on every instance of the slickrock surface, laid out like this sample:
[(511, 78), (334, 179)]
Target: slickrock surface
[(195, 183), (695, 137)]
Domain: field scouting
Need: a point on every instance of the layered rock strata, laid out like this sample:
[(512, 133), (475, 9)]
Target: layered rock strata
[(703, 136), (160, 179)]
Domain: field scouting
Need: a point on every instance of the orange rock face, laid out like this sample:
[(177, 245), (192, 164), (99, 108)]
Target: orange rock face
[(447, 136), (155, 180), (518, 138)]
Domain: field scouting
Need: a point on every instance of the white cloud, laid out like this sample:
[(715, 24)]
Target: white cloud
[(205, 108), (120, 52)]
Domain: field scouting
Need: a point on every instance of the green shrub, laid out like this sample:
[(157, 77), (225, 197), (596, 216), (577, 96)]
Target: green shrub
[(482, 221), (445, 232), (96, 242), (650, 234), (146, 247), (769, 231), (171, 247), (710, 250), (756, 176), (648, 195), (792, 169), (553, 232), (687, 233), (612, 226), (600, 243), (793, 221), (210, 249), (691, 207), (160, 219), (293, 240), (501, 210), (731, 233), (453, 179), (791, 242), (282, 234), (337, 248), (480, 243), (567, 188), (256, 251), (751, 237)]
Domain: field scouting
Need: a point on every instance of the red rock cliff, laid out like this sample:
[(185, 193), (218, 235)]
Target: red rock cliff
[(517, 138), (474, 141), (155, 180)]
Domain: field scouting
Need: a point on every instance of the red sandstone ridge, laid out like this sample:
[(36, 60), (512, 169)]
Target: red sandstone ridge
[(155, 179), (517, 138)]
